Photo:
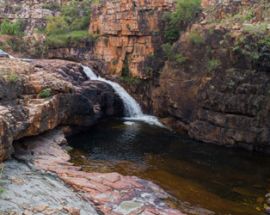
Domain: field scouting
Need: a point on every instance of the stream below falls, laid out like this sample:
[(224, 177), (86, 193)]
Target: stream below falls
[(222, 180)]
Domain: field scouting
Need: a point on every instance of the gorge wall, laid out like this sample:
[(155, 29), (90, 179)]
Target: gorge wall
[(129, 32), (219, 92), (33, 14), (214, 84)]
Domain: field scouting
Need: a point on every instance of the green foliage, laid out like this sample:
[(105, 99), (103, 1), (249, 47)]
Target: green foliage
[(260, 28), (125, 70), (17, 44), (213, 64), (168, 51), (179, 58), (70, 39), (171, 55), (52, 6), (130, 80), (1, 173), (182, 16), (45, 93), (249, 15), (265, 41), (249, 46), (12, 78), (70, 28), (96, 2), (196, 38), (74, 16), (243, 16), (56, 25), (11, 28)]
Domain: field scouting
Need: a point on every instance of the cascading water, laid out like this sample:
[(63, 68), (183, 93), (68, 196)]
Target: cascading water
[(132, 109), (4, 54)]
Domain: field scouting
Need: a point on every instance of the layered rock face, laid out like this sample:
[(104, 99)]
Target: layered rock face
[(222, 9), (32, 13), (41, 95), (129, 33), (220, 94)]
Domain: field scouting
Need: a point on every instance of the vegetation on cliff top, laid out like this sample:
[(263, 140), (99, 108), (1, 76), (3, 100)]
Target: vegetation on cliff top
[(71, 27), (11, 28), (185, 13)]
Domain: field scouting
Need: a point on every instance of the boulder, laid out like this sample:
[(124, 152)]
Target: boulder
[(40, 95)]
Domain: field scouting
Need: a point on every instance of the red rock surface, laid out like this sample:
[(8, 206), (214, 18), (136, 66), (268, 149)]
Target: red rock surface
[(128, 32), (111, 193)]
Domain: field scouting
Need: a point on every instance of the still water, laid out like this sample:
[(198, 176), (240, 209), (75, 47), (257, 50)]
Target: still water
[(226, 181)]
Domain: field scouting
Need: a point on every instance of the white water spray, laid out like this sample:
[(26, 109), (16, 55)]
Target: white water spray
[(132, 109)]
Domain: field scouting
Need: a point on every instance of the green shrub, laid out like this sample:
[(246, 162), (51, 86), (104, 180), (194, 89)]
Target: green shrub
[(184, 14), (70, 39), (12, 78), (196, 38), (1, 174), (52, 6), (75, 16), (213, 64), (56, 25), (168, 51), (179, 58), (130, 80), (242, 16), (265, 41), (249, 46), (171, 55), (45, 93), (125, 70), (17, 44), (11, 28), (96, 2), (260, 28)]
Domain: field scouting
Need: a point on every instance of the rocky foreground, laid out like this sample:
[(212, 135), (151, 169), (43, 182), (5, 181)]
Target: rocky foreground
[(33, 192), (110, 193), (41, 96), (38, 96)]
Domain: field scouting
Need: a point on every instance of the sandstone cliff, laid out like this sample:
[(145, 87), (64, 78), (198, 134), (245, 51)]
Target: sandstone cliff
[(220, 94), (31, 13), (129, 33), (39, 96)]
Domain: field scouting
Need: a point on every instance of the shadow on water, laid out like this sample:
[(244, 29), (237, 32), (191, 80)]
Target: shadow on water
[(227, 181)]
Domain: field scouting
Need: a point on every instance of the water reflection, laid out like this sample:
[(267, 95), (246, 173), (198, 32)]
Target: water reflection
[(227, 181)]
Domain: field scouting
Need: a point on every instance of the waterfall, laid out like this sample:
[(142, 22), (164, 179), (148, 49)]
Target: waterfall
[(132, 109), (3, 54)]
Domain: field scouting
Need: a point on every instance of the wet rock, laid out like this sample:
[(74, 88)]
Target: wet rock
[(39, 96), (111, 193)]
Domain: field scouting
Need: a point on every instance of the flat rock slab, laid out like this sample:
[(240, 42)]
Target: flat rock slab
[(29, 192), (111, 193)]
